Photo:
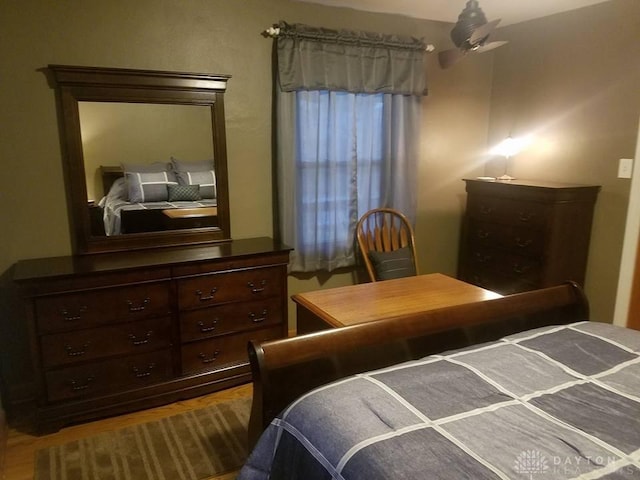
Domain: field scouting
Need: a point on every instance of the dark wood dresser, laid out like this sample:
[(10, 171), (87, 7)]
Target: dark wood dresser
[(521, 235), (110, 333)]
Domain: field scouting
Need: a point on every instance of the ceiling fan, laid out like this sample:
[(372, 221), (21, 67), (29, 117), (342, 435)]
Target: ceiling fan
[(470, 34)]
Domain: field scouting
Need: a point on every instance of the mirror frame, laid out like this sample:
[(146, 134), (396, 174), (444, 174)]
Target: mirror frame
[(96, 84)]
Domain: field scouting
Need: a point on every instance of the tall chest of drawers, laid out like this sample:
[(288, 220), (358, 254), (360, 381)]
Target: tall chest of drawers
[(110, 333), (522, 235)]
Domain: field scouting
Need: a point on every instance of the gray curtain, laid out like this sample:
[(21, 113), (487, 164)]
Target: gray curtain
[(348, 119), (311, 58)]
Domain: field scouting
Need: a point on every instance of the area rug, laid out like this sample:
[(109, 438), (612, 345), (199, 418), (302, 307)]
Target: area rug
[(189, 446)]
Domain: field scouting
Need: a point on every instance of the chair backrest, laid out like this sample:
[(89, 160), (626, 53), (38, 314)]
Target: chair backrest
[(387, 244)]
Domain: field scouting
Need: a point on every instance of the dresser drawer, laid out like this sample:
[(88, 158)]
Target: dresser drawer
[(217, 352), (238, 286), (503, 261), (97, 307), (209, 322), (91, 344), (508, 211), (108, 376), (500, 282), (523, 241)]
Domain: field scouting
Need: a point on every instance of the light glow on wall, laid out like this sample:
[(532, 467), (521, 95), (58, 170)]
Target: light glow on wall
[(511, 146)]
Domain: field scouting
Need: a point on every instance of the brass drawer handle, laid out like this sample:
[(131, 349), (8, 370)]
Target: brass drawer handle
[(483, 258), (255, 289), (140, 341), (138, 308), (78, 387), (256, 319), (204, 358), (142, 374), (205, 298), (484, 210), (76, 353), (68, 317), (525, 216), (517, 268), (523, 243), (210, 328)]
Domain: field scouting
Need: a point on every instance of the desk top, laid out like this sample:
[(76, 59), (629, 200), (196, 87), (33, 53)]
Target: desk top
[(191, 212), (367, 302)]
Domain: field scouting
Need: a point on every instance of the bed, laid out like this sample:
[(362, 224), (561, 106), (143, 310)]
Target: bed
[(120, 215), (522, 386)]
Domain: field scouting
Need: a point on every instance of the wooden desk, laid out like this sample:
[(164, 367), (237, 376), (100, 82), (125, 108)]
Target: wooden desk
[(343, 306), (191, 212), (191, 217)]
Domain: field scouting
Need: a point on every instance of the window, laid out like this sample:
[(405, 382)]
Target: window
[(348, 119), (339, 167)]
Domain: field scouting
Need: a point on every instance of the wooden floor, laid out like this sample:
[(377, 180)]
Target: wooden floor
[(21, 448)]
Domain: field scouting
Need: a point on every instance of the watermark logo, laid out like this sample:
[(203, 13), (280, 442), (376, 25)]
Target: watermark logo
[(531, 462)]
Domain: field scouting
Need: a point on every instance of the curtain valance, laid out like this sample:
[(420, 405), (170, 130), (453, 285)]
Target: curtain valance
[(311, 58)]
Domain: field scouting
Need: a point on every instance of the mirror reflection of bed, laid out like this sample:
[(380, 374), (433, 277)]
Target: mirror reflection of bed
[(152, 144), (115, 214)]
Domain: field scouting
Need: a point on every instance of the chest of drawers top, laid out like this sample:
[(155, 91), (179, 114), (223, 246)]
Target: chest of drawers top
[(534, 191), (67, 273)]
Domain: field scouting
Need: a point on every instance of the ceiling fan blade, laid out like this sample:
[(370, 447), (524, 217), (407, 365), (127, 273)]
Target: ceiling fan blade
[(483, 31), (449, 57), (490, 46)]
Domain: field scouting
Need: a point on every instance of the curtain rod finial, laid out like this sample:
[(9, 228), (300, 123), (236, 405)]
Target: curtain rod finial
[(272, 32)]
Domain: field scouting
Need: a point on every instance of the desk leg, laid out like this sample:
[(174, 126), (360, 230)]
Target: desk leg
[(307, 322)]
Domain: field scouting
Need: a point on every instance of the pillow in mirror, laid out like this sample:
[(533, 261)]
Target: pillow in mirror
[(190, 193), (196, 173), (191, 166), (148, 183)]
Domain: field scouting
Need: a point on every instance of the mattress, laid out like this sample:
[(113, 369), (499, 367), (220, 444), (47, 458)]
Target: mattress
[(551, 403)]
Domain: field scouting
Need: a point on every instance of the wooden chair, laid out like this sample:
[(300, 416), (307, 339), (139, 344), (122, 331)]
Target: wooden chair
[(387, 244)]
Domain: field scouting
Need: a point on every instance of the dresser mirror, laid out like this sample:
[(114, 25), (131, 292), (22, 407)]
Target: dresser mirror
[(145, 157)]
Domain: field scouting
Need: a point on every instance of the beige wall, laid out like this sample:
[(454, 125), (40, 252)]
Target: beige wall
[(213, 36), (140, 134), (574, 81), (223, 36)]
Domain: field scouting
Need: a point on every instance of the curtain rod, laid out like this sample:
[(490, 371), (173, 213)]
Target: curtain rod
[(274, 32)]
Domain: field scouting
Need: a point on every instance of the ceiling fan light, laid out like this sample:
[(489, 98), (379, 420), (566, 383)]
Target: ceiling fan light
[(470, 34)]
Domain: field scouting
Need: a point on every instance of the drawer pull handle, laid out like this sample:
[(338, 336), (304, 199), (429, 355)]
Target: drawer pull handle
[(205, 298), (517, 268), (256, 319), (140, 341), (255, 289), (142, 374), (76, 353), (69, 317), (204, 358), (138, 308), (483, 258), (211, 328), (526, 216), (484, 210), (523, 243), (83, 386)]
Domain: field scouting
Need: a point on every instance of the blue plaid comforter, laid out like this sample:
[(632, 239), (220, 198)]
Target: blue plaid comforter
[(557, 402)]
